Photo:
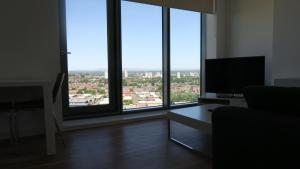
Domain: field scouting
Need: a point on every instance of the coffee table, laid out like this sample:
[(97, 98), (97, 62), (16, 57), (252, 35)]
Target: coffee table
[(198, 117)]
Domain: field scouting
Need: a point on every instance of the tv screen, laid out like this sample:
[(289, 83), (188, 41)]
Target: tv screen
[(231, 75)]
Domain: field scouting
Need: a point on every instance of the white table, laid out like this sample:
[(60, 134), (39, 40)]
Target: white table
[(48, 107), (198, 117)]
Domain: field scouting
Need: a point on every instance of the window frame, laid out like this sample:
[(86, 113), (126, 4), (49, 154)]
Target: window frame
[(113, 59), (115, 65), (202, 59), (157, 107)]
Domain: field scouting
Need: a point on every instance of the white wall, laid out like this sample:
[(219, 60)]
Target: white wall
[(266, 27), (216, 28), (29, 49), (211, 36), (286, 49), (250, 30)]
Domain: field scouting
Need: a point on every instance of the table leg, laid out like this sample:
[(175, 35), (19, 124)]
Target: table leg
[(179, 142), (169, 129)]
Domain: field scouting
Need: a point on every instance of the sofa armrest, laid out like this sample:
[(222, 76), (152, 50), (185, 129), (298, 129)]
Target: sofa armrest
[(247, 138)]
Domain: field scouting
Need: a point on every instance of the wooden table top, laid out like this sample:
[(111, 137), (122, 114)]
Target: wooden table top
[(199, 113)]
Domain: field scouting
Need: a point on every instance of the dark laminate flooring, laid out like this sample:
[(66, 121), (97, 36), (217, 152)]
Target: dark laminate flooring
[(142, 145)]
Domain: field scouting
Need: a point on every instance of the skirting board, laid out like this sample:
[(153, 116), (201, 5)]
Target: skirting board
[(84, 123), (111, 120)]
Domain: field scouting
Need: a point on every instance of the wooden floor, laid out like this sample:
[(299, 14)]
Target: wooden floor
[(142, 145)]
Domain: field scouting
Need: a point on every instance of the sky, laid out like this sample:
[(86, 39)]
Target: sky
[(141, 36)]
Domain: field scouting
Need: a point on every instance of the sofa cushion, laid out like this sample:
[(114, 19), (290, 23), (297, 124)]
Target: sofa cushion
[(270, 98)]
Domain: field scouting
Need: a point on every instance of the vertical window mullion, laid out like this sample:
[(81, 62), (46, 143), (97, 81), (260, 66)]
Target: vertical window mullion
[(166, 56), (203, 53), (114, 51), (64, 56)]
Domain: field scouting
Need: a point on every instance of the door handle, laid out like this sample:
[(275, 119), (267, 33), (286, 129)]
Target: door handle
[(63, 52)]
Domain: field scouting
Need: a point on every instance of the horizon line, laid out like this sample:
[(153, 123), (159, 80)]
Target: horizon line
[(157, 70)]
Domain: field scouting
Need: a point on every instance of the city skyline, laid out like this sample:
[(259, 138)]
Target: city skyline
[(133, 70), (140, 89)]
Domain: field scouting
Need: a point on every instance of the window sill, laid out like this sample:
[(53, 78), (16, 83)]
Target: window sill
[(111, 120)]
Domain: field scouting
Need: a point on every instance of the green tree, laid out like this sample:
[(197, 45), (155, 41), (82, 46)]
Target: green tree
[(127, 102)]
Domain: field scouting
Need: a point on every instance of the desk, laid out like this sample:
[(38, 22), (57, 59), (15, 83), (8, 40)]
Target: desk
[(48, 107)]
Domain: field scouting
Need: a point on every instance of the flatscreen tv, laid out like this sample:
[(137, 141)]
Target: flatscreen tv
[(231, 75)]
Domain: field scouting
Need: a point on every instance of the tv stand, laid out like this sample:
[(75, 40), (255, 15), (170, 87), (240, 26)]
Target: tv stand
[(228, 100), (229, 96)]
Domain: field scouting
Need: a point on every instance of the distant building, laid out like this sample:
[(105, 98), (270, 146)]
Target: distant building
[(158, 74), (125, 73), (106, 75), (81, 100), (178, 75), (104, 101), (194, 74), (148, 75)]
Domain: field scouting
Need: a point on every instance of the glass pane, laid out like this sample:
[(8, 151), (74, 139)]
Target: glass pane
[(142, 55), (88, 62), (185, 56)]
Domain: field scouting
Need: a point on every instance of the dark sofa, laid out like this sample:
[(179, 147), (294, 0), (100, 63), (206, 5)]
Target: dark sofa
[(265, 135)]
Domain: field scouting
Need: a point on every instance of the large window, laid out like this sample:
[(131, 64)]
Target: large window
[(141, 55), (121, 56), (87, 44), (185, 43)]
